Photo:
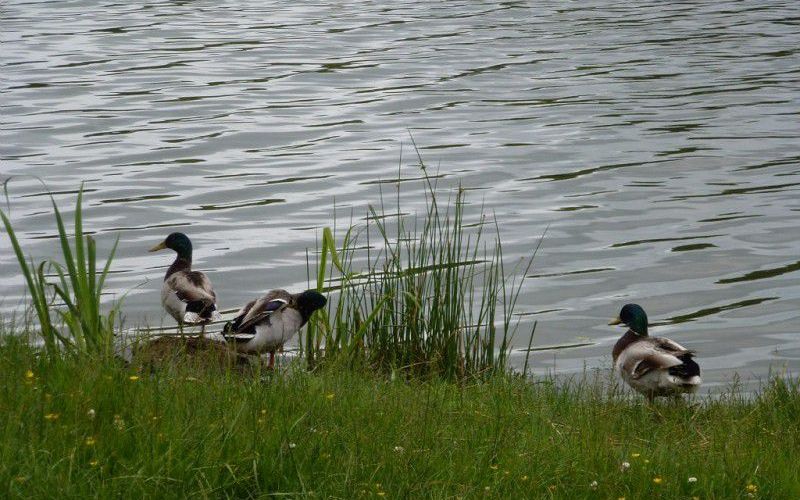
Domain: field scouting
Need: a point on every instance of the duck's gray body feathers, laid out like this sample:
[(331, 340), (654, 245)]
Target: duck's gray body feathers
[(188, 295), (267, 323), (656, 366)]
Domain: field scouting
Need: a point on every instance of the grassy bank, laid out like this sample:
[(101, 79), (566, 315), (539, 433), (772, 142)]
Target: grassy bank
[(104, 430)]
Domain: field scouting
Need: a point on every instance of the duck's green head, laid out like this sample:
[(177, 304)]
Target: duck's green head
[(178, 242), (634, 317), (309, 301)]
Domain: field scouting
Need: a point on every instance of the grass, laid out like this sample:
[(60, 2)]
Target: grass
[(423, 295), (78, 286), (103, 430)]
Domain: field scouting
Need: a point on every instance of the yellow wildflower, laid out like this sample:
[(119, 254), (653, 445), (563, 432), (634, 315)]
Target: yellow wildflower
[(29, 374), (94, 463), (524, 478), (51, 416), (658, 480), (133, 378), (90, 441), (752, 488), (330, 395), (636, 455)]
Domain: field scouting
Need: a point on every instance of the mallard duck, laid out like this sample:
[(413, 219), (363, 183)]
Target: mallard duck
[(186, 295), (265, 324), (653, 366)]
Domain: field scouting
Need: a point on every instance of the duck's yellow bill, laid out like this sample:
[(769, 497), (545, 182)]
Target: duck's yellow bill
[(615, 321), (160, 246)]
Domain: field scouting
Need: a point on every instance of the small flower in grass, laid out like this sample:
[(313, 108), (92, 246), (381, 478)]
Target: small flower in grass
[(486, 488), (51, 417), (94, 463), (91, 413), (658, 480), (524, 478), (133, 378), (751, 488), (399, 449), (692, 480), (330, 396), (119, 423), (624, 466), (493, 466), (381, 493), (292, 446), (263, 412), (620, 498), (89, 441), (636, 455), (593, 485), (29, 375)]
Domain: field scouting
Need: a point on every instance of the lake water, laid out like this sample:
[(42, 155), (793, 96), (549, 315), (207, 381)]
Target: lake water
[(658, 140)]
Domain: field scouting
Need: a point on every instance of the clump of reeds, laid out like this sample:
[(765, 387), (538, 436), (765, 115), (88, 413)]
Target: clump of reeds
[(419, 295), (68, 309)]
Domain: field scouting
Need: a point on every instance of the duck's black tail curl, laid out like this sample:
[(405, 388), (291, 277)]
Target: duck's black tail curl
[(688, 369), (203, 308)]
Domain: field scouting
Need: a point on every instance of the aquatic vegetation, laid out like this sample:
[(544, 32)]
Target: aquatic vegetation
[(418, 295), (78, 285)]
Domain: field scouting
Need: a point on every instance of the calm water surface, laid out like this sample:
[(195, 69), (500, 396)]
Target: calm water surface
[(658, 140)]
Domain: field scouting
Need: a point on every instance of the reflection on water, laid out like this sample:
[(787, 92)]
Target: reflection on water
[(657, 140)]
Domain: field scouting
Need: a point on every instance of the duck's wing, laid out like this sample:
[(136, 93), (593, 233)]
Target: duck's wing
[(192, 286), (261, 309), (648, 354), (670, 346)]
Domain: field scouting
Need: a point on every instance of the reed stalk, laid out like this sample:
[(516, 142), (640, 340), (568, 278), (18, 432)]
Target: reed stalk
[(421, 295), (83, 327)]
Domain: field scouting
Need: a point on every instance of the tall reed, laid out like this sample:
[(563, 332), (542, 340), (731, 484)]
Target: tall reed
[(79, 287), (421, 295)]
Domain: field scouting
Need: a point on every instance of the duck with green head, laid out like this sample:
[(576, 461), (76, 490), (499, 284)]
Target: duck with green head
[(186, 295), (653, 366), (265, 324)]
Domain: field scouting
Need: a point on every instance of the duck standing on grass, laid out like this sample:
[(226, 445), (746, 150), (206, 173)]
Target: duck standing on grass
[(186, 295), (265, 324), (653, 366)]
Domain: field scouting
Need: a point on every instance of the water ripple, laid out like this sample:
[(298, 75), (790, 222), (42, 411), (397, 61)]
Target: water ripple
[(627, 127)]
